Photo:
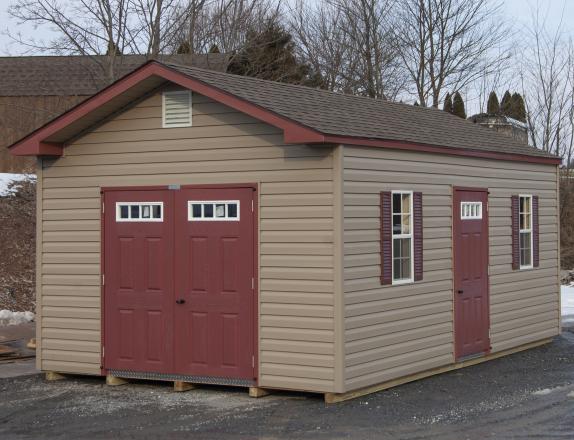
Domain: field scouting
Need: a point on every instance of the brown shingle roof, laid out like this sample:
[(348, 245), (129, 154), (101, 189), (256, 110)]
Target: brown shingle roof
[(79, 75), (354, 116)]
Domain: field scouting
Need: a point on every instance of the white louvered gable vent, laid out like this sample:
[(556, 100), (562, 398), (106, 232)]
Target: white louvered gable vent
[(177, 109)]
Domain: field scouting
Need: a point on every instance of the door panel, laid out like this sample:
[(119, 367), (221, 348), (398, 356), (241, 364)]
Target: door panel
[(138, 298), (215, 265), (470, 220)]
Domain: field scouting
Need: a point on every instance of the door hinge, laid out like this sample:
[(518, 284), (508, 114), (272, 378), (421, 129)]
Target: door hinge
[(103, 207), (103, 351), (103, 280), (252, 283), (253, 361), (252, 204)]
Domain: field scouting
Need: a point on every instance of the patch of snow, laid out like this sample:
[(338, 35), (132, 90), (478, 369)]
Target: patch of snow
[(7, 178), (543, 392), (567, 293), (516, 122), (8, 317)]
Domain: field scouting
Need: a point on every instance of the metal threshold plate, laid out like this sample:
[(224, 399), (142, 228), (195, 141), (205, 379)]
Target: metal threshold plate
[(211, 380), (471, 356)]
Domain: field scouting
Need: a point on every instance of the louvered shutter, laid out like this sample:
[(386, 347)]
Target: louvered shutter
[(515, 233), (177, 109), (386, 238), (535, 233), (418, 234)]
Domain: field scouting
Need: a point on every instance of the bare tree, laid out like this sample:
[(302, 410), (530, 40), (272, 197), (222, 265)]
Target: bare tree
[(322, 42), (224, 24), (351, 43), (448, 44), (368, 26), (547, 84), (157, 25), (84, 27)]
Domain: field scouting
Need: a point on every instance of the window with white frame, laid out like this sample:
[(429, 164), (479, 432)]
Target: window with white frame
[(471, 210), (139, 211), (212, 210), (525, 232), (402, 208)]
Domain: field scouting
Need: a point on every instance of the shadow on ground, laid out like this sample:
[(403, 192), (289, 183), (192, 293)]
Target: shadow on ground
[(529, 394)]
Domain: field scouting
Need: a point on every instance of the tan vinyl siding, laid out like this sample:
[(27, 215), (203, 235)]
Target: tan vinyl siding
[(296, 326), (394, 331)]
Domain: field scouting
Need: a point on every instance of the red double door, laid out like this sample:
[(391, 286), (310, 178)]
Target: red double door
[(179, 270), (471, 291)]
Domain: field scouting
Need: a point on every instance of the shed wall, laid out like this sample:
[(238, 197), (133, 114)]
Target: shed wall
[(394, 331), (296, 325)]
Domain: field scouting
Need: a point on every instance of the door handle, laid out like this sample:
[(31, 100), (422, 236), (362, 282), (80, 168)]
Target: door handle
[(460, 291), (180, 301)]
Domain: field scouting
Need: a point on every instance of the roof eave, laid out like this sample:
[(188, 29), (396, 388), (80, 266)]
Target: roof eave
[(412, 146)]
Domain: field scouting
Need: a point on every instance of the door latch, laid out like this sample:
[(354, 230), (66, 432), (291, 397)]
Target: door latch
[(180, 301), (460, 291)]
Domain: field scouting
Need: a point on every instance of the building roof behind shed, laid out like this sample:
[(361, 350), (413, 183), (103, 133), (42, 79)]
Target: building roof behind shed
[(81, 75)]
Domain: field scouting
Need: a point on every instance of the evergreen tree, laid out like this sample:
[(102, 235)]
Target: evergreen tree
[(270, 54), (493, 107), (447, 106), (506, 104), (184, 48), (416, 104), (458, 106), (214, 49), (518, 107)]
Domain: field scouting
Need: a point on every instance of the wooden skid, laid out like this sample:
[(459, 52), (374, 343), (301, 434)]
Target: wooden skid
[(52, 375), (180, 386), (258, 392), (115, 381), (341, 397)]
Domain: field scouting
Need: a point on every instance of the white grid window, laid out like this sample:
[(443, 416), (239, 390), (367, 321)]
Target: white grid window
[(213, 210), (471, 210), (139, 211), (525, 233), (402, 208)]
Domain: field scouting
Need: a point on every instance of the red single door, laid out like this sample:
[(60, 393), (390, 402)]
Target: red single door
[(214, 284), (471, 314), (138, 284)]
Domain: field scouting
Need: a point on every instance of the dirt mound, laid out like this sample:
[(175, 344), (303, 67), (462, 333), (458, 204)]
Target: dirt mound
[(18, 246)]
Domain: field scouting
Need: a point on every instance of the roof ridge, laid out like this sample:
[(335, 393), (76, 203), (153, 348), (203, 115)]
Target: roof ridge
[(300, 86)]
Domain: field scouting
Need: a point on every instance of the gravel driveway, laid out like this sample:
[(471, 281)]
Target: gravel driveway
[(526, 395)]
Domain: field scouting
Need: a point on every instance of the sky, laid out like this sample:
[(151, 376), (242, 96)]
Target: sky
[(518, 12)]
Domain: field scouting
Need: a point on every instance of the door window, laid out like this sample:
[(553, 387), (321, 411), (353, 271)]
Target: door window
[(139, 211), (471, 210), (213, 210)]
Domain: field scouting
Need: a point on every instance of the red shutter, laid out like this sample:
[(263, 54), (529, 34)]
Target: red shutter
[(386, 238), (418, 234), (535, 233), (515, 233)]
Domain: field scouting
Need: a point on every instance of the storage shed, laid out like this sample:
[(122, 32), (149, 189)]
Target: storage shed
[(201, 227)]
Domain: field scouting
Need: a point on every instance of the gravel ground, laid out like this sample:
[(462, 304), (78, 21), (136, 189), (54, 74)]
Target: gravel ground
[(527, 395)]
